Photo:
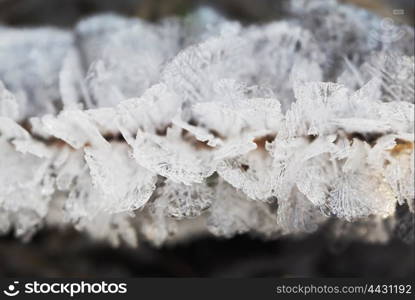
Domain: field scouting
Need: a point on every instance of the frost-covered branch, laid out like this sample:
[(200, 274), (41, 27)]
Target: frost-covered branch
[(172, 129)]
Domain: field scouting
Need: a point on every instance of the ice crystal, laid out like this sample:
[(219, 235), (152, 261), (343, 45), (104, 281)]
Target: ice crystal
[(128, 130)]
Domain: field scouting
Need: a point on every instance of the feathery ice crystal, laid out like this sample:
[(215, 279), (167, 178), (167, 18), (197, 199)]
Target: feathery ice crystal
[(128, 129)]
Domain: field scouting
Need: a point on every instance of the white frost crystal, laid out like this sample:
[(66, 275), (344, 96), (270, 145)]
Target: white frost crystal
[(130, 130)]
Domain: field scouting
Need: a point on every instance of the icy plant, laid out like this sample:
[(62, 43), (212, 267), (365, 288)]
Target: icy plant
[(127, 129)]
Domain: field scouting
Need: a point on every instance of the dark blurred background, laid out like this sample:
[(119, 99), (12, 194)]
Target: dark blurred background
[(67, 253), (71, 254), (65, 13)]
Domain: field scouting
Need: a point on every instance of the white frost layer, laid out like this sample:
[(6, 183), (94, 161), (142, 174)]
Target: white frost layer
[(138, 127)]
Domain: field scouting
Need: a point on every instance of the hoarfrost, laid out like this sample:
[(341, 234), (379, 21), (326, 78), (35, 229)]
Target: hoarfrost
[(128, 130)]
